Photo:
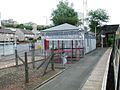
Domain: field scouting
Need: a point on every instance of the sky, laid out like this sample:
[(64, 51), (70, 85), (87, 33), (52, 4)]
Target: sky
[(39, 11)]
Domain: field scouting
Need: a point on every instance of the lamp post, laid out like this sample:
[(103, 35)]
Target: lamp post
[(95, 31), (46, 21), (15, 42), (3, 43)]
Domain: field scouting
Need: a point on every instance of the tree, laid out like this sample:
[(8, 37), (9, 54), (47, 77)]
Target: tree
[(42, 27), (96, 18), (64, 14), (28, 27)]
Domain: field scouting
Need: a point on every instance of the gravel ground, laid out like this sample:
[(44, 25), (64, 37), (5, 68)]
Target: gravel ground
[(13, 78)]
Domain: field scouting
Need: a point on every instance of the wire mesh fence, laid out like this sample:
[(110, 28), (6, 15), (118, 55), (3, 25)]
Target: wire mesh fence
[(14, 79), (15, 76)]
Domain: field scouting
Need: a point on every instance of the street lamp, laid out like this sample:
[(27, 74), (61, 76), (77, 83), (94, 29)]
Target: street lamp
[(46, 21), (95, 31), (15, 42)]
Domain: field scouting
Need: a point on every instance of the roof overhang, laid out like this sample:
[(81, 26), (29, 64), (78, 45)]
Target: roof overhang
[(63, 39)]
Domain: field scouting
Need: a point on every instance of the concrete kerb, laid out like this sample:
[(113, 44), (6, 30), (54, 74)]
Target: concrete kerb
[(48, 80), (51, 78), (106, 72), (104, 77), (88, 75)]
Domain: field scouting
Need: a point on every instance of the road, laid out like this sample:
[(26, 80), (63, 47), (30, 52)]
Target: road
[(9, 49), (75, 76)]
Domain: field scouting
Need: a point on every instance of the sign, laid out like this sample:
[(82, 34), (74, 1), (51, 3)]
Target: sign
[(103, 36), (117, 34)]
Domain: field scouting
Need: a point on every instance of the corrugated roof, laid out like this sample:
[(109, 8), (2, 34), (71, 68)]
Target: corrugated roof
[(6, 31), (109, 28), (65, 26)]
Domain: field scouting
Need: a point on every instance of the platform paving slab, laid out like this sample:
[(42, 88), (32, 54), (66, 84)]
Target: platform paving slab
[(77, 74)]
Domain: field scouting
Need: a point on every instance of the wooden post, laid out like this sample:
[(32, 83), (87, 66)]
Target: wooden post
[(79, 49), (52, 58), (46, 67), (45, 54), (83, 50), (33, 56), (53, 45), (52, 62), (76, 50), (26, 69), (72, 50), (58, 51), (62, 46), (16, 58), (71, 57)]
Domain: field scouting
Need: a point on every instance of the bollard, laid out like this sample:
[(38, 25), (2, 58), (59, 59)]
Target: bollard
[(26, 69)]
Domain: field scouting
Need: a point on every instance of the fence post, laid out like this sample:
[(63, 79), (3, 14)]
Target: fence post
[(33, 55), (16, 58), (52, 53), (45, 54), (26, 69), (52, 63), (33, 58), (72, 53)]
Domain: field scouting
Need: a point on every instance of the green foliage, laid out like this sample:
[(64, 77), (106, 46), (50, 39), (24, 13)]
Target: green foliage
[(42, 27), (110, 41), (64, 14), (39, 38), (96, 18), (28, 27), (21, 26), (32, 40), (7, 25)]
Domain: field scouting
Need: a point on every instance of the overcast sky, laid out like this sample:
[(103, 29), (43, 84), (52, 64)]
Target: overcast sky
[(38, 10)]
